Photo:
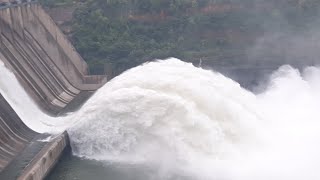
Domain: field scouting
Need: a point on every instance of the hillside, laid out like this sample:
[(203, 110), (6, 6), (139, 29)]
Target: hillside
[(125, 33)]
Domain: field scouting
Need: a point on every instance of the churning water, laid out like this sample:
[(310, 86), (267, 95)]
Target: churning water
[(183, 121)]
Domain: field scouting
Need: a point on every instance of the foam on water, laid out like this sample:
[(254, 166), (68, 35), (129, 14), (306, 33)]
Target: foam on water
[(165, 108), (186, 120)]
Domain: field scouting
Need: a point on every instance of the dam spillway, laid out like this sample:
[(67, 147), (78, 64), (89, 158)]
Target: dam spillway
[(15, 135), (45, 62), (23, 152), (52, 73)]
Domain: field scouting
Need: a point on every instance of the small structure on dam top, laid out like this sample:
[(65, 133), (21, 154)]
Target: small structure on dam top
[(53, 74)]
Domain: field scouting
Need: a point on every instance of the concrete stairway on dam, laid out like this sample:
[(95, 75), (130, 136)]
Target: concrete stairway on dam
[(42, 58)]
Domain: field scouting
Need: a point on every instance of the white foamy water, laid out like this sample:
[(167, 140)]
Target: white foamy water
[(166, 112), (26, 108), (186, 120), (201, 123)]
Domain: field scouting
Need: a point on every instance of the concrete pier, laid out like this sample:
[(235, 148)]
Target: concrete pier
[(45, 160)]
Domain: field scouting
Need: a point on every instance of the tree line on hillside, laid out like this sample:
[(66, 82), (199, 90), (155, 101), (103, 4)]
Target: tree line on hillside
[(126, 33)]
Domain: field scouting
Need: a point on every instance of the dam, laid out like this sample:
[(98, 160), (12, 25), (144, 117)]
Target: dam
[(162, 120), (52, 73)]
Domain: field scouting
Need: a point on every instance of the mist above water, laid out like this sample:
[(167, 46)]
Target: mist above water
[(183, 121), (197, 122), (179, 119)]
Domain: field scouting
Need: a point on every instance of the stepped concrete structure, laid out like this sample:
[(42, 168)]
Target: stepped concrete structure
[(43, 59), (52, 73), (14, 135)]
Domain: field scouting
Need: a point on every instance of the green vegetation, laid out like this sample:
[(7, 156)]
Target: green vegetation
[(55, 3), (126, 33)]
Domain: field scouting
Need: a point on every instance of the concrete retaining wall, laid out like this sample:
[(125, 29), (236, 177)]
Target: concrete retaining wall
[(14, 135), (45, 160), (45, 62), (23, 153), (54, 75)]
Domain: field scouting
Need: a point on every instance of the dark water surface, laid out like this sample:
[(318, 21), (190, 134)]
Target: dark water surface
[(74, 168)]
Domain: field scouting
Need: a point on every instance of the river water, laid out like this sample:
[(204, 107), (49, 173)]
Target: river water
[(73, 167), (171, 120)]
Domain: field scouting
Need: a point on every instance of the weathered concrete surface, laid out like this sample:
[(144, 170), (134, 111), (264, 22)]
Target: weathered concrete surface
[(54, 75), (14, 134), (25, 154), (45, 160), (42, 58), (23, 159)]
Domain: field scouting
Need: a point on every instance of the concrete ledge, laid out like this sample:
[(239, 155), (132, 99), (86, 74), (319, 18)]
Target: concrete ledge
[(46, 159)]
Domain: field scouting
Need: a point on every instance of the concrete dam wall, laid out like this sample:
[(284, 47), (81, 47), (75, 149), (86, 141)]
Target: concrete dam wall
[(45, 62), (14, 134), (23, 153), (52, 73)]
